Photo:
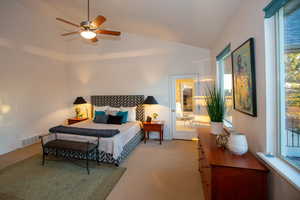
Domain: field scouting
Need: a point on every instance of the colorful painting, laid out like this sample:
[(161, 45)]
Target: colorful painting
[(243, 68)]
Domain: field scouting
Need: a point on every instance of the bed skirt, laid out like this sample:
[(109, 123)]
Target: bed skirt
[(103, 156)]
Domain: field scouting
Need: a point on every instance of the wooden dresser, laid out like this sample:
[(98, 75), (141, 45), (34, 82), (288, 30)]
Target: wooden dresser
[(229, 177)]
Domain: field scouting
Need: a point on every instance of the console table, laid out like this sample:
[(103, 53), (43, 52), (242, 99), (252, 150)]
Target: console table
[(226, 176)]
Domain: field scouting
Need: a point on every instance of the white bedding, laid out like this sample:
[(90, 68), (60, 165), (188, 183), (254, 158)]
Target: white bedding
[(113, 145)]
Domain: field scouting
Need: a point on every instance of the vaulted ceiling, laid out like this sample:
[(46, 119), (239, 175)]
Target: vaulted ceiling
[(193, 22)]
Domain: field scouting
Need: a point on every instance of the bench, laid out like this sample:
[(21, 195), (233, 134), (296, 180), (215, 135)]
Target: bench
[(69, 147)]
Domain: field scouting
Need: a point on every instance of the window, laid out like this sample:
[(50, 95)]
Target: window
[(288, 51), (225, 81)]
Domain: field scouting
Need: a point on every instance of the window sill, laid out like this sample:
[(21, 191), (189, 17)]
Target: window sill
[(286, 171)]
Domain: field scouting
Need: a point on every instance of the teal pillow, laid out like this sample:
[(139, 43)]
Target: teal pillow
[(124, 116), (97, 113), (101, 119)]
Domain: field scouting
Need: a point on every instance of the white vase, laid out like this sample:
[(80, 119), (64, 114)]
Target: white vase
[(216, 128), (237, 143)]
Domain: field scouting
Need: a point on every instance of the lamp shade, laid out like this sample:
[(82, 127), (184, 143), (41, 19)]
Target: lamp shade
[(150, 100), (79, 100)]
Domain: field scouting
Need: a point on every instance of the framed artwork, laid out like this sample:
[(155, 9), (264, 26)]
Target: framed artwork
[(244, 87)]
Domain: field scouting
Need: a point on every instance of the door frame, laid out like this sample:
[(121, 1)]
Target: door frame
[(172, 102)]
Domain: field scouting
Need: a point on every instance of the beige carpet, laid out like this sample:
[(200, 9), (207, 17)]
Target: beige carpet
[(57, 180), (161, 172)]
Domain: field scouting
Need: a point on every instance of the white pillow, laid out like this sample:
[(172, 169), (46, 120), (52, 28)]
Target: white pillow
[(100, 108), (112, 110), (131, 113)]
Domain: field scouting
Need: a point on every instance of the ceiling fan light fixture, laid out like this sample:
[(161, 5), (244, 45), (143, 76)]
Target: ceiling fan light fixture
[(87, 34)]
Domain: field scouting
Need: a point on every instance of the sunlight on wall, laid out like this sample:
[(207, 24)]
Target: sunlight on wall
[(4, 109)]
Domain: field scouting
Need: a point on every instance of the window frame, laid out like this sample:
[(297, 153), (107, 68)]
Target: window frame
[(280, 135), (220, 66)]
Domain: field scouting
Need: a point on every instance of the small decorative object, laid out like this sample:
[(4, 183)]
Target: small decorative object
[(215, 109), (222, 140), (155, 116), (149, 119), (79, 101), (150, 100), (237, 143), (244, 87)]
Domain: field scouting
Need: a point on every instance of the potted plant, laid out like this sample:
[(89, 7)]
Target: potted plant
[(215, 109)]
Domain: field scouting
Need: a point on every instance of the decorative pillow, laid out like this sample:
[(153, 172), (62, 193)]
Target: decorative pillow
[(102, 119), (114, 119), (131, 113), (97, 113), (112, 110), (124, 116), (100, 108)]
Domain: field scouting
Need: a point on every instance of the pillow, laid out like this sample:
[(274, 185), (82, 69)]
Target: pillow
[(97, 113), (101, 119), (100, 108), (131, 113), (124, 116), (114, 119), (112, 110)]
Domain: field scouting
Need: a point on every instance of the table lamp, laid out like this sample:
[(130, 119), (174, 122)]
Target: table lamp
[(79, 101), (150, 100)]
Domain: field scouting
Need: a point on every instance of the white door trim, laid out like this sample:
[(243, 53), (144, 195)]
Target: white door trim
[(172, 97)]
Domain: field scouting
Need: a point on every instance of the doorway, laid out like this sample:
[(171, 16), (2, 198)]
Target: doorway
[(187, 112)]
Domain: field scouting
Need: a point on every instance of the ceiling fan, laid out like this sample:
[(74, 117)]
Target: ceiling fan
[(89, 29)]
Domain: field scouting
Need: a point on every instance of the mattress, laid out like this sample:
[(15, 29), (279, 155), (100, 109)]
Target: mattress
[(113, 145)]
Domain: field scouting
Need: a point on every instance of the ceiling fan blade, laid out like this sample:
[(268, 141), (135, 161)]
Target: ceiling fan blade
[(65, 21), (108, 32), (70, 33), (94, 39), (98, 21)]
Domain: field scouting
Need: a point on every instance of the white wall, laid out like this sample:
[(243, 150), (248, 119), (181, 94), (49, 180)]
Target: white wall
[(133, 65), (249, 22), (33, 87)]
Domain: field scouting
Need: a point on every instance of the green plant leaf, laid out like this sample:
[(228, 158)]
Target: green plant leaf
[(215, 104)]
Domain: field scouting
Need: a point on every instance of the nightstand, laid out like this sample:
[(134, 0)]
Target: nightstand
[(154, 126), (76, 120)]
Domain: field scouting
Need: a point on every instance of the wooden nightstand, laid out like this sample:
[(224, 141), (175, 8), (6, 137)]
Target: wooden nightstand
[(76, 120), (155, 126)]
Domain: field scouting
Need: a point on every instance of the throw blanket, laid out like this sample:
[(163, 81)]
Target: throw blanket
[(84, 131)]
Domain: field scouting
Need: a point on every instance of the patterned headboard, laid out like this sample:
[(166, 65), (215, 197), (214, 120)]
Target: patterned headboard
[(121, 100)]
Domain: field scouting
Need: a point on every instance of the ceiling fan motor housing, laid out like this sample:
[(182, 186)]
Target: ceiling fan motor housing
[(86, 25)]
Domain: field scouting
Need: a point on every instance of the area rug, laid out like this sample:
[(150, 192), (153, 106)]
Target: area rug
[(57, 180)]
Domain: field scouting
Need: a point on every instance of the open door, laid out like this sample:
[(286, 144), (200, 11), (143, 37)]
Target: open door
[(187, 110)]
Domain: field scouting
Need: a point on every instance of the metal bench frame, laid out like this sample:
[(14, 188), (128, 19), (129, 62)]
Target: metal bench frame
[(70, 151)]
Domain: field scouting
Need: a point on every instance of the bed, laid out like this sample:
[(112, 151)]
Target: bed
[(112, 150)]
